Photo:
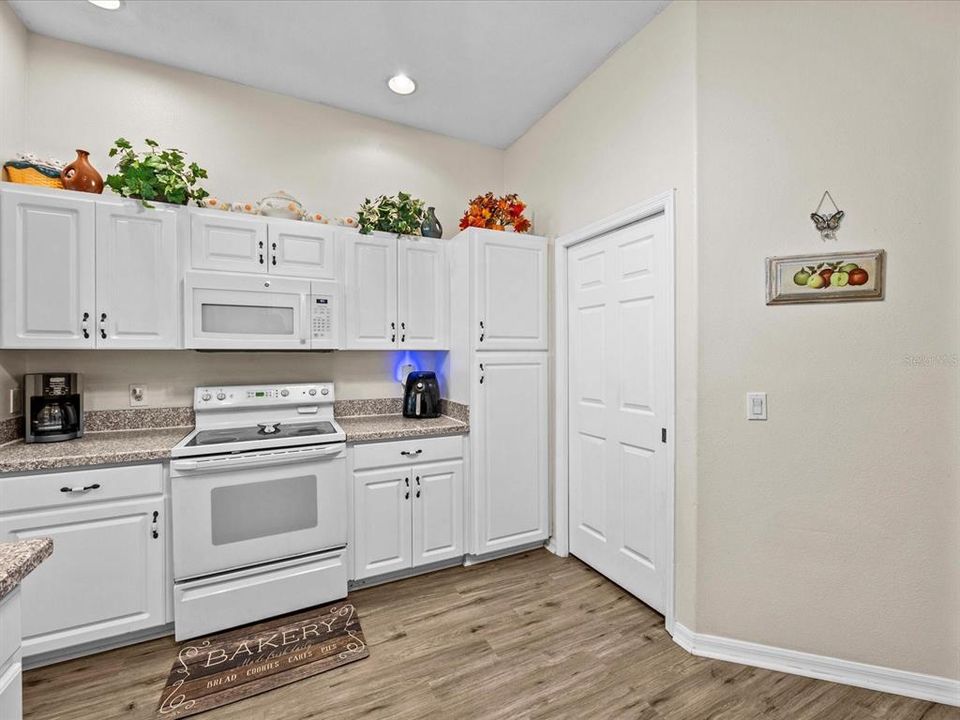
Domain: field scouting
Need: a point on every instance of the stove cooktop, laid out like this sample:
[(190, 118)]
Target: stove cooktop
[(262, 431)]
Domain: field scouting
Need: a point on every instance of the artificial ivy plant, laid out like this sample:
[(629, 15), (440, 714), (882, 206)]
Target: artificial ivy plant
[(401, 214), (156, 174)]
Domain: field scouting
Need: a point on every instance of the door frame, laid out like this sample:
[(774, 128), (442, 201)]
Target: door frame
[(664, 204)]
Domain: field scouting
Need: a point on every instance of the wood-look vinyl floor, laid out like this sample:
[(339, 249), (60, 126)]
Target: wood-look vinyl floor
[(529, 637)]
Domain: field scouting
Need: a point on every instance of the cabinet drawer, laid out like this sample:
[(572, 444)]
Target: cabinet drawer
[(402, 452), (25, 492)]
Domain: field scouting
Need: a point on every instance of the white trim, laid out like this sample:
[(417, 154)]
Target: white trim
[(560, 542), (847, 672)]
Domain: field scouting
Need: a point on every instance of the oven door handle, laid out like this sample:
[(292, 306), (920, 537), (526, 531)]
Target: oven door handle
[(276, 457)]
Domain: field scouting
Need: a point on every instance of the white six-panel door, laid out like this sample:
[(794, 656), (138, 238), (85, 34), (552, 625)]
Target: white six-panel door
[(138, 304), (370, 278), (619, 335), (47, 276), (423, 304)]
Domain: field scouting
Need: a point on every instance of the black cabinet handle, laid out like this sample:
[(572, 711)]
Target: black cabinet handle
[(83, 325), (482, 332), (408, 452), (85, 488), (155, 530)]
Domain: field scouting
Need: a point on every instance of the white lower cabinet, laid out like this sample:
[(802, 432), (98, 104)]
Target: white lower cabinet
[(11, 705), (509, 435), (107, 574), (406, 516)]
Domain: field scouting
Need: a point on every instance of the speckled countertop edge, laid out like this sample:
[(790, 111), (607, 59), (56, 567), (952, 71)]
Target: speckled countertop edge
[(372, 428), (18, 559), (97, 448)]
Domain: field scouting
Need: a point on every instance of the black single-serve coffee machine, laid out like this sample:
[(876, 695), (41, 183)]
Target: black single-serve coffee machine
[(52, 407)]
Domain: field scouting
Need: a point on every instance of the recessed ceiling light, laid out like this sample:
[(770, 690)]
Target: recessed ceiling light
[(106, 4), (401, 84)]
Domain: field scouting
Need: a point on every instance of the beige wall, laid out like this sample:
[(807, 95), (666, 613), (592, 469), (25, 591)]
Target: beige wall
[(625, 134), (13, 97), (252, 143), (833, 527)]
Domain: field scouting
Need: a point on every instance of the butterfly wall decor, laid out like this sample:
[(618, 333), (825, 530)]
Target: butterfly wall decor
[(827, 223)]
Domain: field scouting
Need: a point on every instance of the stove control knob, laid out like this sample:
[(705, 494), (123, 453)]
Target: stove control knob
[(221, 395), (313, 391), (325, 391), (205, 396), (284, 392)]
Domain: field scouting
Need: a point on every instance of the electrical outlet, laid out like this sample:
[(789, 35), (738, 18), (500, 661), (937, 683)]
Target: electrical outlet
[(138, 395), (15, 401)]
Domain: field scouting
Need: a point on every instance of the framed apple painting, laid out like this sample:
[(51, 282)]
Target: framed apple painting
[(827, 277)]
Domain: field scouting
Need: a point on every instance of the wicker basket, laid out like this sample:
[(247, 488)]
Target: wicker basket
[(19, 171)]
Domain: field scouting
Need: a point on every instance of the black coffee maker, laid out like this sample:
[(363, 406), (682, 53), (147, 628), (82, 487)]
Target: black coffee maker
[(421, 395), (52, 407)]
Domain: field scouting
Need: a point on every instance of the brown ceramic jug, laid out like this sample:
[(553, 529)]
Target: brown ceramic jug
[(80, 175)]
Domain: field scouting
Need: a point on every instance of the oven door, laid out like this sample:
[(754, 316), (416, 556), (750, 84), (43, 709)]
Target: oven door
[(244, 312), (234, 511)]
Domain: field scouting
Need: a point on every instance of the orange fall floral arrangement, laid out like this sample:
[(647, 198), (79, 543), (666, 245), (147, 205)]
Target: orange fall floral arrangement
[(492, 213)]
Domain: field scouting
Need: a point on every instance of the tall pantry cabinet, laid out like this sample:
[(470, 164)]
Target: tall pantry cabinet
[(498, 365)]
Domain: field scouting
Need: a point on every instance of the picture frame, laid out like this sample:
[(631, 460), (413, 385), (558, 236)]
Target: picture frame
[(793, 278)]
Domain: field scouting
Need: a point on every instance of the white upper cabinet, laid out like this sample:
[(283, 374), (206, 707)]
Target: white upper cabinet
[(225, 241), (370, 276), (137, 299), (397, 292), (46, 269), (301, 249), (511, 291), (508, 423), (422, 308)]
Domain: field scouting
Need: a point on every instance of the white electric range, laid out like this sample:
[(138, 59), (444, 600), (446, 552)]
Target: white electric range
[(259, 506)]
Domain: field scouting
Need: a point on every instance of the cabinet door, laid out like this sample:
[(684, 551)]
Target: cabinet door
[(510, 445), (511, 291), (423, 294), (382, 521), (437, 512), (46, 270), (138, 297), (105, 577), (221, 241), (301, 249), (370, 275)]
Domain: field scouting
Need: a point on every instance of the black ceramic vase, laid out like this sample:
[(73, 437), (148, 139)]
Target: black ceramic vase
[(431, 227)]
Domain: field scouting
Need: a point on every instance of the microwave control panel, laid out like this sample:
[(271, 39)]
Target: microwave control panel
[(324, 313)]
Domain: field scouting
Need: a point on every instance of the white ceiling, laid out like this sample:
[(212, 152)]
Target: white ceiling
[(486, 69)]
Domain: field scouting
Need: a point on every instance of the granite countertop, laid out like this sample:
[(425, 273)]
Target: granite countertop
[(94, 448), (363, 421), (368, 428), (18, 559)]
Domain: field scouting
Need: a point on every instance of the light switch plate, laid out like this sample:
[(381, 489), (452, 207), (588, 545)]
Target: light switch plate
[(15, 401), (756, 406)]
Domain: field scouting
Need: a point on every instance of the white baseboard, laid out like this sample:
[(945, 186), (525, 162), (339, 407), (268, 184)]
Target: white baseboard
[(873, 677)]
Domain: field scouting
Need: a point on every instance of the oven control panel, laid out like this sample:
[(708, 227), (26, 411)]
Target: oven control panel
[(261, 395)]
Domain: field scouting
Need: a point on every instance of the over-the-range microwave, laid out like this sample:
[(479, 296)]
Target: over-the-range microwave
[(233, 311)]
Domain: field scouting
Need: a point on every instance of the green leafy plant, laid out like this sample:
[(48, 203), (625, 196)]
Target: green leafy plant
[(401, 214), (156, 174)]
